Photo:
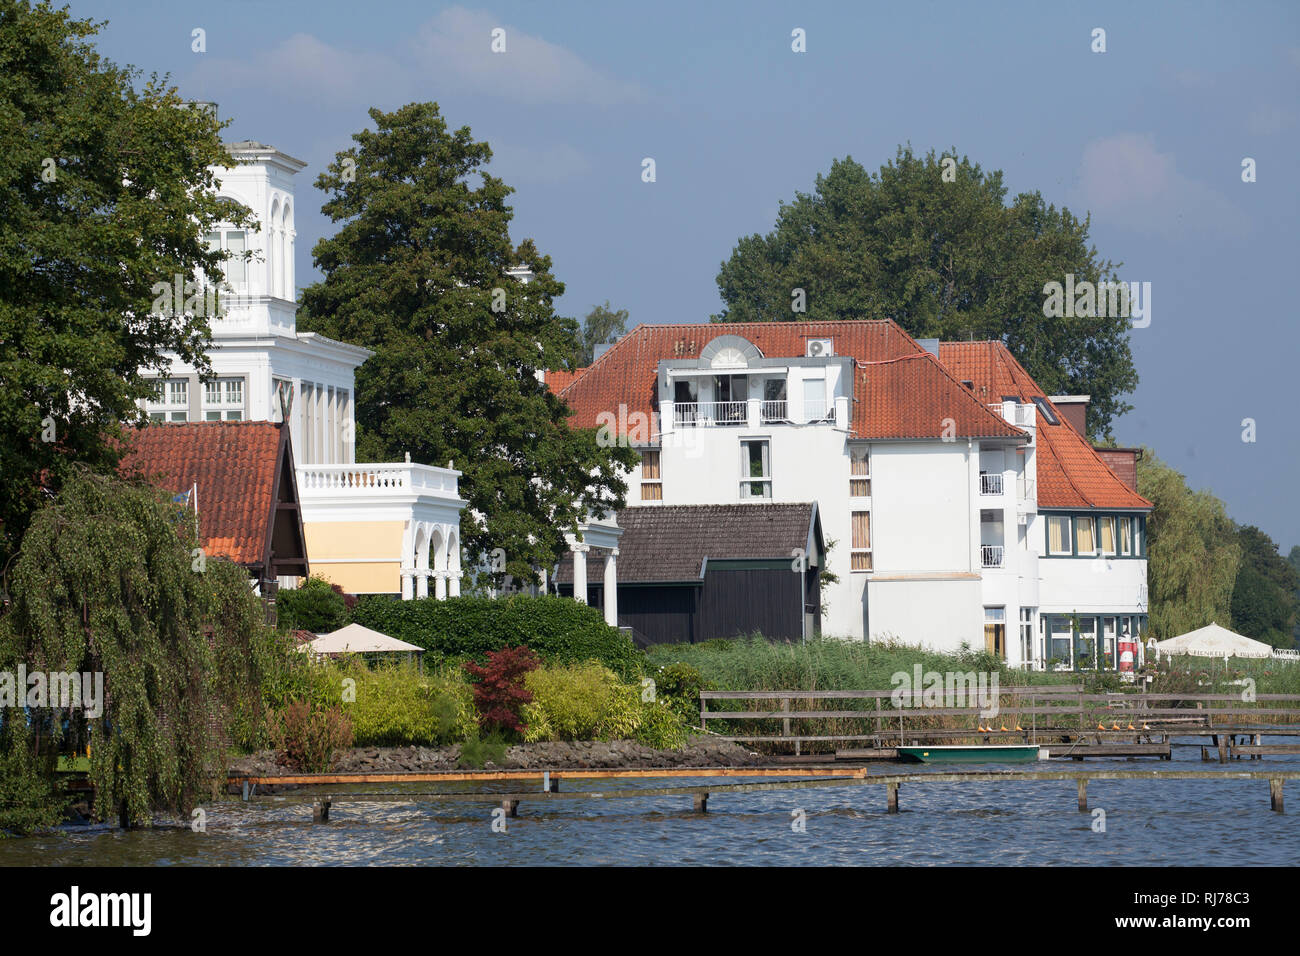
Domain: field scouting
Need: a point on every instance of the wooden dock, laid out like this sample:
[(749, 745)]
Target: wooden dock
[(700, 794)]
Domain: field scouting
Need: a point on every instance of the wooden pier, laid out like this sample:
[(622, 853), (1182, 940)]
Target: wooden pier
[(700, 794)]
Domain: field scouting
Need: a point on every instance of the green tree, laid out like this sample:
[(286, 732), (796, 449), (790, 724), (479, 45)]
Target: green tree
[(1264, 595), (317, 606), (106, 582), (947, 259), (602, 325), (1293, 559), (105, 192), (418, 272), (1193, 552)]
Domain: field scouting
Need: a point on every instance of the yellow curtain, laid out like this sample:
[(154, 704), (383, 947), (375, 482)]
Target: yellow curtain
[(1107, 535), (1056, 531), (1087, 544)]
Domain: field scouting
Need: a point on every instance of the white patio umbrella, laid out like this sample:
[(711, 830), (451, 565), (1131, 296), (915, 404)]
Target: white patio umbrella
[(1214, 641), (356, 639)]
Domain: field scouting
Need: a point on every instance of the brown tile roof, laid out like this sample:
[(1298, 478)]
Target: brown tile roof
[(670, 542), (1070, 473), (900, 389), (233, 465)]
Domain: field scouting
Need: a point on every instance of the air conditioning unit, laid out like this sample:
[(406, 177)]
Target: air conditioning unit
[(819, 348)]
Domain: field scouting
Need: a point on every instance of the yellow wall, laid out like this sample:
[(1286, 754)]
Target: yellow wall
[(351, 540)]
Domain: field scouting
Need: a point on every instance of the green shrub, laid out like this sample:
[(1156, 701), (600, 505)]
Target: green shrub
[(317, 606), (477, 751), (396, 705), (677, 687), (308, 736), (559, 630), (589, 702)]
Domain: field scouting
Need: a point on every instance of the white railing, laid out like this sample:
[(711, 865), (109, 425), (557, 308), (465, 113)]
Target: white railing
[(991, 555), (775, 411), (401, 478), (710, 413), (1022, 416), (1026, 489), (1286, 653), (753, 412), (991, 483), (816, 411)]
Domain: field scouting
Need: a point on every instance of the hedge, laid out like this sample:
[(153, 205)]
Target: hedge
[(560, 630)]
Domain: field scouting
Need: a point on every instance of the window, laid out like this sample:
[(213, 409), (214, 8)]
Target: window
[(1108, 643), (860, 472), (861, 556), (1083, 530), (1060, 643), (281, 399), (652, 488), (1085, 645), (814, 400), (1106, 526), (223, 400), (755, 469), (1125, 536), (1058, 534), (730, 393), (1026, 635), (171, 401), (775, 408), (995, 627)]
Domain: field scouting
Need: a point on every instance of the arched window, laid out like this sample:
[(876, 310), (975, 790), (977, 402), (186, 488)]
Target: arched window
[(272, 259), (286, 252)]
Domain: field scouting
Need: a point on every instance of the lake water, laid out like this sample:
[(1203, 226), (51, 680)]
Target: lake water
[(1175, 823)]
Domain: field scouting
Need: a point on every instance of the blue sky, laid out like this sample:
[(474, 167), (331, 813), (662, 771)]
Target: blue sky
[(1149, 137)]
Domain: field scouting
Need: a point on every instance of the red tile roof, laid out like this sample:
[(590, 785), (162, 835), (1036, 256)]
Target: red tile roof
[(1070, 473), (560, 379), (900, 390), (234, 466)]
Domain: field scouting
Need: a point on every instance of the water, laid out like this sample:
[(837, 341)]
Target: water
[(1174, 823)]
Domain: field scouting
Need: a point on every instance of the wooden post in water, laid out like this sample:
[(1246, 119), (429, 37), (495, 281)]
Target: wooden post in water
[(320, 811), (1275, 794), (893, 796), (1083, 796), (1222, 741), (511, 807), (701, 803)]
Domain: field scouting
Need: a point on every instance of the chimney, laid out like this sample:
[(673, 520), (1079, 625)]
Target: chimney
[(1074, 409)]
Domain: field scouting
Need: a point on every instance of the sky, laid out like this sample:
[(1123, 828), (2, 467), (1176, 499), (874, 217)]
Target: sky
[(1149, 137)]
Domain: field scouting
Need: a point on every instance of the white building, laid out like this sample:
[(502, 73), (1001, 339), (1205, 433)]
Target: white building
[(371, 528), (958, 499)]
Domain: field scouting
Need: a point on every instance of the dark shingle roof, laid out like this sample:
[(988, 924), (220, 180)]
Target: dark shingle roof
[(670, 542)]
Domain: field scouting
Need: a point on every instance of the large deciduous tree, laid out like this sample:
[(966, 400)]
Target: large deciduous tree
[(1193, 552), (1264, 595), (602, 325), (105, 192), (419, 271), (931, 243)]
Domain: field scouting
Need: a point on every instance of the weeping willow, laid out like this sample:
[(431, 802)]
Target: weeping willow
[(109, 581)]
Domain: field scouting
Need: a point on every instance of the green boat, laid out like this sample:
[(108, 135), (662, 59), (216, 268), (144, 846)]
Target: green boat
[(972, 753)]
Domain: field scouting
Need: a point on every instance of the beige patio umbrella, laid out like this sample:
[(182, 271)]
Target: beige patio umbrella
[(356, 639)]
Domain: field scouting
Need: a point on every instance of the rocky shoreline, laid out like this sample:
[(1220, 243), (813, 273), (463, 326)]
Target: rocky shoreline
[(701, 752)]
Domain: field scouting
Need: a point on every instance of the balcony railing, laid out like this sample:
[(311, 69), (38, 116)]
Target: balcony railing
[(401, 478), (755, 411), (710, 413), (1022, 416), (990, 483), (991, 555), (775, 411)]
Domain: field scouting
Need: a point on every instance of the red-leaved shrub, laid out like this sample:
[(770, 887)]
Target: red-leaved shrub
[(499, 693)]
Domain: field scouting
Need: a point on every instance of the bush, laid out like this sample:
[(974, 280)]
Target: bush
[(397, 706), (477, 751), (500, 693), (317, 606), (559, 630), (307, 736), (589, 702), (677, 687)]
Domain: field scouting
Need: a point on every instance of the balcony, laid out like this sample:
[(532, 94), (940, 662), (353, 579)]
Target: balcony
[(755, 412), (1013, 413), (991, 555), (399, 480), (990, 483)]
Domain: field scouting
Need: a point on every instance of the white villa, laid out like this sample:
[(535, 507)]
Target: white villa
[(385, 528), (965, 506)]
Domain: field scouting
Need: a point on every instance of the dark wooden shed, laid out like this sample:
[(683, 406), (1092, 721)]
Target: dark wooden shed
[(691, 573)]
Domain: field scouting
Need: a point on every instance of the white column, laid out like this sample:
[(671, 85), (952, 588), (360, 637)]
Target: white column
[(580, 572), (453, 584), (611, 587), (407, 589), (422, 584), (440, 585)]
